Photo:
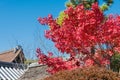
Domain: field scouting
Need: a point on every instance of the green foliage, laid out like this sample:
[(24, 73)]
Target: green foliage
[(68, 4), (87, 3), (108, 2), (90, 73), (61, 18), (115, 62), (104, 7), (73, 2)]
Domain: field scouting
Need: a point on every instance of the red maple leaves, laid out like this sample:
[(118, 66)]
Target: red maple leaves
[(85, 32)]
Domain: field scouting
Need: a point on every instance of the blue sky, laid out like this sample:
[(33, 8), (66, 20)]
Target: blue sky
[(19, 25)]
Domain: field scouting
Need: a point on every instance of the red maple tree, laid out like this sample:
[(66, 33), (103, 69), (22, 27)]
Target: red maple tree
[(86, 34)]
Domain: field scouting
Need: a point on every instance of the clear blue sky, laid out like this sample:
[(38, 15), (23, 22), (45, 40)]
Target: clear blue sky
[(19, 25)]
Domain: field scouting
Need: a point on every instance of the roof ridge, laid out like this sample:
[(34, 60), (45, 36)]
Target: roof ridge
[(17, 53)]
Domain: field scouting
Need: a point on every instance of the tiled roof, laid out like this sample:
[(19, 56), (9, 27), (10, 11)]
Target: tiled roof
[(9, 56)]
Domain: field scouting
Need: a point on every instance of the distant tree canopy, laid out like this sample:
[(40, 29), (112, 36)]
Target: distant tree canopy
[(87, 3)]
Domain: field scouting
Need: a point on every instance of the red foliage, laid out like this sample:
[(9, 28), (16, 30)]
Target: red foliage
[(55, 64), (81, 32)]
